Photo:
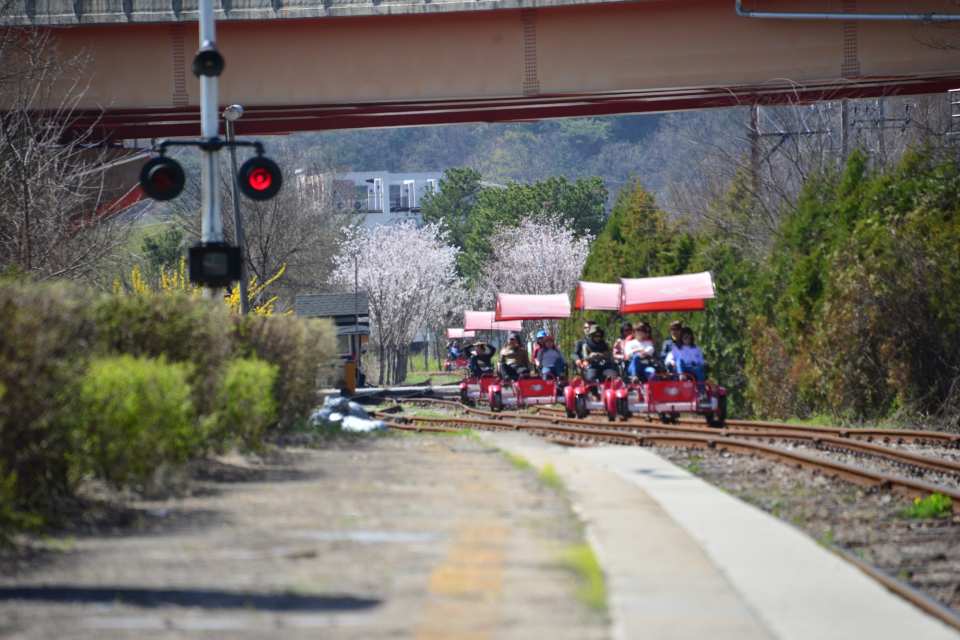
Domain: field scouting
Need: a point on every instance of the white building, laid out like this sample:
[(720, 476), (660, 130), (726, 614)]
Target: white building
[(381, 197)]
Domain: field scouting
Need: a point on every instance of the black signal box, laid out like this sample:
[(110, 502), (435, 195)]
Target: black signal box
[(215, 264)]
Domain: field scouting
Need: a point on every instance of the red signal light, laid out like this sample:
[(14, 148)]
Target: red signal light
[(259, 178), (162, 178)]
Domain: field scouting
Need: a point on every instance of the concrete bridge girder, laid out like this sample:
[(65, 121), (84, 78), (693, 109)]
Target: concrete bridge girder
[(498, 65)]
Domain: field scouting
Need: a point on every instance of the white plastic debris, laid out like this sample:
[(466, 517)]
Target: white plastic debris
[(362, 425), (340, 413)]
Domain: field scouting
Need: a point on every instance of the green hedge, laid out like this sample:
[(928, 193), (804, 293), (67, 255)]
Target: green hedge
[(245, 405), (46, 336), (115, 385), (132, 415), (297, 348), (174, 325)]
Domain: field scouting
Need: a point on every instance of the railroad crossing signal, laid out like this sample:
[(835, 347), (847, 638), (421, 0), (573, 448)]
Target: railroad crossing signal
[(162, 178), (259, 178)]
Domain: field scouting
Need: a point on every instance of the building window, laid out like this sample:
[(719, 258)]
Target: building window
[(408, 195), (395, 197), (375, 196)]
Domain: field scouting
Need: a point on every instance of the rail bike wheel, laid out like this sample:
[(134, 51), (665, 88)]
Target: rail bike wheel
[(496, 401), (612, 412), (581, 407), (623, 408), (464, 397), (718, 419)]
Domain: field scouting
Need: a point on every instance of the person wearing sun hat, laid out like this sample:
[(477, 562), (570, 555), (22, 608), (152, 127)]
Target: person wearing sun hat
[(481, 354), (513, 358)]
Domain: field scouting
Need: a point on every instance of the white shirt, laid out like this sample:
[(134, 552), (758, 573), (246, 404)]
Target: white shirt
[(642, 348)]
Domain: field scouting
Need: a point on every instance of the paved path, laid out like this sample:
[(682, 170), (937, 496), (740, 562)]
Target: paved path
[(686, 560), (417, 537)]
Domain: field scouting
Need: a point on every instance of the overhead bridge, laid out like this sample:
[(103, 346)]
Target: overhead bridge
[(311, 65)]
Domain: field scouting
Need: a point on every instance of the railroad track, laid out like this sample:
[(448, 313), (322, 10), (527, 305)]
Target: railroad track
[(890, 436), (753, 440), (824, 439), (741, 437)]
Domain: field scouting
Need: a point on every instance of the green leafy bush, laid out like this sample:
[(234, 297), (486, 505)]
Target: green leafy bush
[(11, 517), (134, 414), (46, 336), (298, 348), (245, 405), (172, 325), (936, 505)]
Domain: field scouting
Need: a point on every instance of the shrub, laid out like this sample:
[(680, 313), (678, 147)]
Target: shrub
[(46, 335), (245, 405), (11, 517), (298, 348), (172, 325), (936, 505), (134, 414)]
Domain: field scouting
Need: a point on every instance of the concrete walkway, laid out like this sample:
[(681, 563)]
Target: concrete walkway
[(685, 560)]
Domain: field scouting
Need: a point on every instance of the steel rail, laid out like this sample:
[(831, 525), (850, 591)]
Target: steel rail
[(825, 440), (886, 435), (581, 436), (710, 440)]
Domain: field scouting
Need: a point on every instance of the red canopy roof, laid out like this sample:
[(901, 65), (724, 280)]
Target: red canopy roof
[(515, 306), (484, 321), (454, 332), (597, 296), (685, 292)]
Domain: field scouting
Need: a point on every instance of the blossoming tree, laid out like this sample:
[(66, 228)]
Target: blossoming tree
[(542, 255), (407, 272)]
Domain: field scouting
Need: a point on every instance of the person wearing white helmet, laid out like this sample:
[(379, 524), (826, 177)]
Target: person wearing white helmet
[(538, 345)]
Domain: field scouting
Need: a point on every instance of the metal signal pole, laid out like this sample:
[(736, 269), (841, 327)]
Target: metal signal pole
[(211, 224), (231, 114)]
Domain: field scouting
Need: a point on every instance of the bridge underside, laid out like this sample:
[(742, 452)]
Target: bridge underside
[(495, 66)]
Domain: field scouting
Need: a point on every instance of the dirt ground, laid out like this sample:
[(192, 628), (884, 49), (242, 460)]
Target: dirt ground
[(398, 536)]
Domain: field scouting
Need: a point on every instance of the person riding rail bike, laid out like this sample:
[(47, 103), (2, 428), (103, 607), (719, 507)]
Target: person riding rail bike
[(481, 355), (513, 358), (687, 358), (549, 360), (640, 354), (594, 358)]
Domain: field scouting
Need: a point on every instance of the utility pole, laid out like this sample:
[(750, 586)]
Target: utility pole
[(844, 131), (231, 114), (754, 135)]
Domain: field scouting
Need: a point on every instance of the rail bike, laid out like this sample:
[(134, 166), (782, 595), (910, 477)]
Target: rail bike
[(666, 395), (474, 388), (455, 364), (528, 389)]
